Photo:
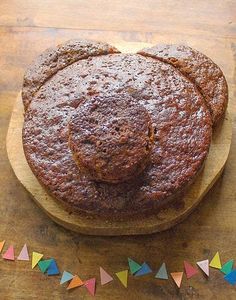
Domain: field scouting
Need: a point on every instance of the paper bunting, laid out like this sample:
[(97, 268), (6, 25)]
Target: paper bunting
[(1, 245), (177, 277), (24, 255), (50, 267), (90, 285), (227, 267), (44, 264), (66, 276), (145, 269), (105, 277), (75, 282), (53, 269), (133, 266), (231, 277), (36, 258), (204, 266), (123, 277), (9, 254), (215, 262), (162, 272), (189, 270)]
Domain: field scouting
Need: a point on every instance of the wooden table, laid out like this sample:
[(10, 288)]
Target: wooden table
[(27, 28)]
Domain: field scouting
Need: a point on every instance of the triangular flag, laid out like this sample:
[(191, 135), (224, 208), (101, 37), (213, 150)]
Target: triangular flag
[(227, 267), (90, 285), (105, 277), (66, 276), (75, 282), (145, 269), (133, 266), (231, 277), (53, 269), (215, 262), (44, 265), (177, 277), (24, 255), (162, 272), (36, 258), (9, 254), (123, 277), (204, 266), (1, 245), (189, 270)]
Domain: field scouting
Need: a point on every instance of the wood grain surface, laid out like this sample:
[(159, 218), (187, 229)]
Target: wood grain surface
[(28, 27)]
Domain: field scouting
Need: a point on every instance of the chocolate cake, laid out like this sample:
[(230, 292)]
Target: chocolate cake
[(91, 165), (55, 59), (111, 138), (200, 69)]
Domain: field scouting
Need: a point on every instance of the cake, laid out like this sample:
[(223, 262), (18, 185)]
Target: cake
[(114, 135), (201, 70), (57, 58), (111, 138)]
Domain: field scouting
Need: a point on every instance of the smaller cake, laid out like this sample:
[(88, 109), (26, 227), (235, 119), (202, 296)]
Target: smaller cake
[(56, 58), (201, 70), (111, 138)]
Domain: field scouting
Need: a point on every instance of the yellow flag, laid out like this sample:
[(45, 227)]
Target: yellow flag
[(215, 262), (36, 258), (123, 277), (1, 245)]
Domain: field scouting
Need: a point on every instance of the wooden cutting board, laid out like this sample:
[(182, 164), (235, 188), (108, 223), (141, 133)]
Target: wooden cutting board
[(165, 219)]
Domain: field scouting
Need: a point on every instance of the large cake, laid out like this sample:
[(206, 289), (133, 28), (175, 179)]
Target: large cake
[(119, 135)]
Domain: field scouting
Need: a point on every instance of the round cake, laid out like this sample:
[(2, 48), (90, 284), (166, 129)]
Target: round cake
[(111, 138), (201, 70), (115, 135), (57, 58)]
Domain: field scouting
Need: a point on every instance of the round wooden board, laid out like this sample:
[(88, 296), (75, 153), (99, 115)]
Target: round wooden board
[(165, 219)]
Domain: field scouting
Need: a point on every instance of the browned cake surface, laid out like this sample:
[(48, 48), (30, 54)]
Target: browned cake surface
[(56, 58), (111, 137), (181, 122), (200, 69)]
